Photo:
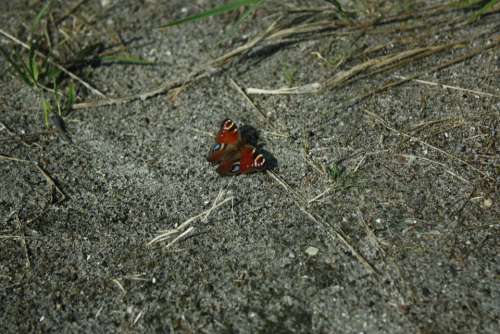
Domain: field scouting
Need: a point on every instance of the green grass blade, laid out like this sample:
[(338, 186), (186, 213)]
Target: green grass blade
[(50, 72), (19, 69), (465, 3), (33, 66), (88, 52), (46, 112), (248, 11), (233, 5), (43, 12), (70, 96), (484, 9), (57, 97), (342, 13)]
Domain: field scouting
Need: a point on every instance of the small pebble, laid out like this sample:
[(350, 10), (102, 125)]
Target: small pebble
[(487, 203), (312, 251)]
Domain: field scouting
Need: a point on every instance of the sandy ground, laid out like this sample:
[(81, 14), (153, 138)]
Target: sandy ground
[(397, 195)]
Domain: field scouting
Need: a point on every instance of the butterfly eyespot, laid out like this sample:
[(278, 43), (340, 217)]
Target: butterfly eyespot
[(217, 147), (235, 168)]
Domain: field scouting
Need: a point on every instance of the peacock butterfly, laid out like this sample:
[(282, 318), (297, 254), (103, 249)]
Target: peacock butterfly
[(233, 153)]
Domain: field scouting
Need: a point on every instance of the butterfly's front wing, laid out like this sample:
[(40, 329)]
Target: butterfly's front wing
[(249, 161), (227, 142), (228, 133)]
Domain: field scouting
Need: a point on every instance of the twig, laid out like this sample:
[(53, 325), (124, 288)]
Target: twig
[(38, 53)]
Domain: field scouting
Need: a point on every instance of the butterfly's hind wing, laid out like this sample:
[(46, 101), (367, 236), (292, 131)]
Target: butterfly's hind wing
[(248, 161)]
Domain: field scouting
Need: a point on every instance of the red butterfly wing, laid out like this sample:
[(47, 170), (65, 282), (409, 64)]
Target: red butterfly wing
[(228, 133), (249, 161), (227, 142)]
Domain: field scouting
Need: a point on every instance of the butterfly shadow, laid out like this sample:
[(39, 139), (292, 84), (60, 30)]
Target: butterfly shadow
[(251, 136)]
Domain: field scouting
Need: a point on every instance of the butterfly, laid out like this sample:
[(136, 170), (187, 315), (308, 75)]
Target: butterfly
[(232, 152)]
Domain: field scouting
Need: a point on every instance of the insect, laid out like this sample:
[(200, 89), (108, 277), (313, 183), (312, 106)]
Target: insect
[(233, 153)]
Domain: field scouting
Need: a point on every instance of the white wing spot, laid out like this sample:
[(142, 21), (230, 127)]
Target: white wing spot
[(228, 125), (259, 160)]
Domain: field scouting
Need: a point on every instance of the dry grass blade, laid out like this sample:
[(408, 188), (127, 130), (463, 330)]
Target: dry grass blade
[(328, 228), (460, 89), (119, 285), (70, 11), (321, 195), (12, 237), (342, 77), (127, 99), (411, 157), (20, 228), (296, 196), (380, 62), (457, 60), (184, 229), (244, 48), (8, 157), (20, 138), (370, 233), (245, 96), (50, 181), (437, 149), (205, 71), (306, 28), (311, 88), (136, 319)]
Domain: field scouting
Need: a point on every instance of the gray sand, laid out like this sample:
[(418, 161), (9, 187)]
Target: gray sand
[(423, 211)]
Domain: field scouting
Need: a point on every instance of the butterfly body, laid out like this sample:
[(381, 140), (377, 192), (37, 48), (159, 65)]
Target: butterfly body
[(233, 154)]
